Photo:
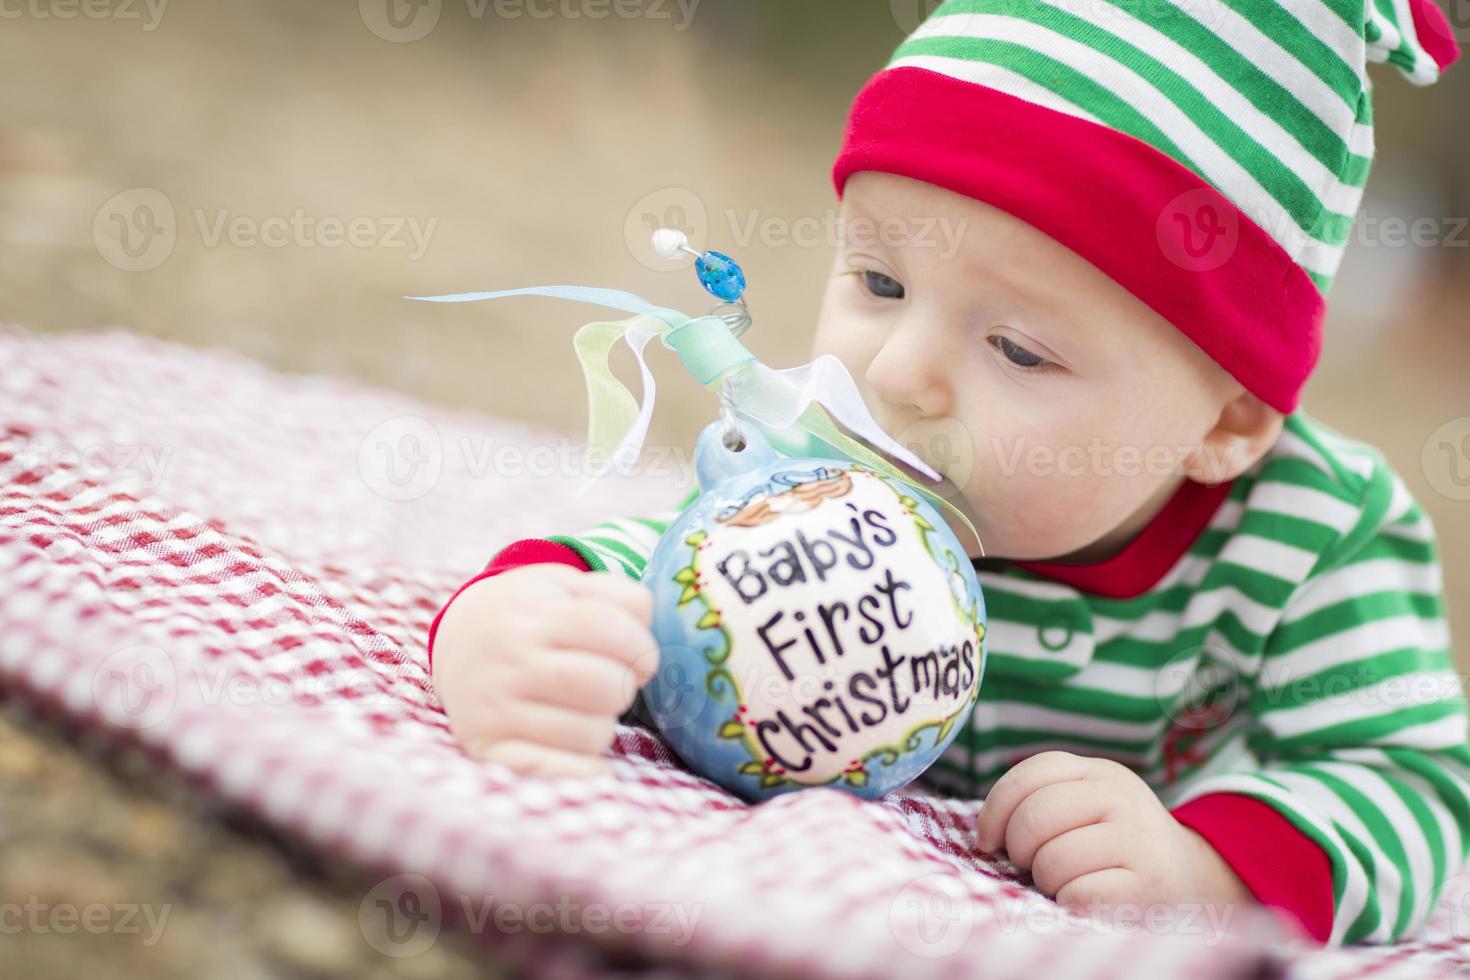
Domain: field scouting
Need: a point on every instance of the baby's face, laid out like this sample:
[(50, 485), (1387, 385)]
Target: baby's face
[(1058, 406)]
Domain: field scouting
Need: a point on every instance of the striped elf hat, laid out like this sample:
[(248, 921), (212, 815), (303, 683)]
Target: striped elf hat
[(1208, 155)]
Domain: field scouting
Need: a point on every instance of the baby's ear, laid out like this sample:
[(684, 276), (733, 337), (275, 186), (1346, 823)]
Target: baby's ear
[(1246, 431)]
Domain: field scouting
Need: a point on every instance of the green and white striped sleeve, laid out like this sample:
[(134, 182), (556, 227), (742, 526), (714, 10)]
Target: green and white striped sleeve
[(1359, 722), (624, 543)]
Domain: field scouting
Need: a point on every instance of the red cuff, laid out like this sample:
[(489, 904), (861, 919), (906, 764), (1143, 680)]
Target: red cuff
[(1285, 869), (1432, 26), (527, 551)]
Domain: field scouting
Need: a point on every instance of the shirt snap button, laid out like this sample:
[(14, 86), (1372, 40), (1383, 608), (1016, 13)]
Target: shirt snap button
[(1056, 633)]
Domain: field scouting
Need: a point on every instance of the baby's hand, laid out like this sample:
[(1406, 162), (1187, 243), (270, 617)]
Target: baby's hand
[(534, 665), (1091, 830)]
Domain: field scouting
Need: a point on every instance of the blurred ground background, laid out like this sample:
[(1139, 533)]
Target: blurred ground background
[(506, 147), (526, 148)]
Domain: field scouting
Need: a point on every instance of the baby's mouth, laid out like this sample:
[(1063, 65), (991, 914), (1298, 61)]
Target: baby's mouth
[(921, 479), (945, 489), (943, 486)]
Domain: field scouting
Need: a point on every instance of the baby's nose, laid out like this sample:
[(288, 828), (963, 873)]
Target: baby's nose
[(910, 374)]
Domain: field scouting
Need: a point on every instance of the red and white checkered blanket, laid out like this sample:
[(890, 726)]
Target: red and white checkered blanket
[(236, 569)]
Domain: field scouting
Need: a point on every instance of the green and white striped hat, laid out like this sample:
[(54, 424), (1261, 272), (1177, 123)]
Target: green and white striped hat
[(1208, 155)]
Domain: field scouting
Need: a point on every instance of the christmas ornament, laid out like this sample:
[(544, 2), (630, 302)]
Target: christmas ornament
[(818, 622)]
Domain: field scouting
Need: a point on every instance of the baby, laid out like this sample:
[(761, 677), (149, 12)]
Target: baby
[(1218, 668)]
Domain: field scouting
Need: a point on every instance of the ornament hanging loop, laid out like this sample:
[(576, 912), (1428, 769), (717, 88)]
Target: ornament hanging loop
[(731, 436), (735, 314)]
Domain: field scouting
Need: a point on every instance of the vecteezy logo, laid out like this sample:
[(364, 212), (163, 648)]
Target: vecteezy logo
[(135, 230), (932, 916), (1197, 231), (401, 459), (135, 687), (909, 14), (675, 208), (400, 21), (1447, 19), (676, 700), (945, 444), (1199, 690), (1446, 459), (401, 916)]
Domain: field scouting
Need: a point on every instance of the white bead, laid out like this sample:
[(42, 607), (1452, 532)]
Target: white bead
[(668, 242)]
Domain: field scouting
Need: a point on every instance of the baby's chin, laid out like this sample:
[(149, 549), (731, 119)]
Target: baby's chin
[(1008, 541), (1000, 537), (1020, 545)]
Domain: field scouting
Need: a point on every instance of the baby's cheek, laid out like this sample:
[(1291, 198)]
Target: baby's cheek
[(1045, 502)]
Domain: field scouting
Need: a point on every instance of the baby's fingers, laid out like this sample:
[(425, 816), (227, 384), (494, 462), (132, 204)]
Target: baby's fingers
[(1051, 812), (1079, 851), (603, 627), (581, 681), (617, 588), (1108, 887), (1019, 782), (530, 759), (550, 725)]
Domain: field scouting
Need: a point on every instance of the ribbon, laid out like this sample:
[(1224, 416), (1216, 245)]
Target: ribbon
[(615, 428), (779, 402), (616, 423)]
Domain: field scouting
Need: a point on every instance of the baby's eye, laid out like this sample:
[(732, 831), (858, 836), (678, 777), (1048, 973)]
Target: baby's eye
[(882, 286), (1018, 355)]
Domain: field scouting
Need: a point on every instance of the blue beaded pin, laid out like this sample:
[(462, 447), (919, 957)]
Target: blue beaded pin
[(720, 275)]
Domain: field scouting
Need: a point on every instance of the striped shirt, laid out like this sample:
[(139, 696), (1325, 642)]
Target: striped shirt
[(1271, 656)]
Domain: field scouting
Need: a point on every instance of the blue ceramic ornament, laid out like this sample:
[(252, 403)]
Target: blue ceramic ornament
[(818, 625), (818, 622)]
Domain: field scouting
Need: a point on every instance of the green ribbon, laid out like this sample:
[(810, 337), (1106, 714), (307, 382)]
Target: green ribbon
[(711, 353), (612, 409), (772, 400)]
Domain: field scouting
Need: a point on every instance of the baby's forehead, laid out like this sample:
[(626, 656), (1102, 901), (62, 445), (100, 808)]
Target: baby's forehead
[(978, 259), (962, 242), (887, 209)]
